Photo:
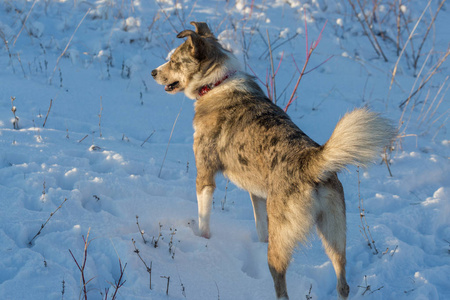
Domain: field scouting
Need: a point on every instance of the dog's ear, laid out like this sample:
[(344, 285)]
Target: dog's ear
[(202, 29), (196, 43)]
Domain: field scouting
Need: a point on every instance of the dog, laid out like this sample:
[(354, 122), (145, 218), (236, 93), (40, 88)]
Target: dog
[(291, 179)]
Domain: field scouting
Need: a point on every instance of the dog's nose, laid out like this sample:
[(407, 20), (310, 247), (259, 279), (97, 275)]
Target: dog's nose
[(154, 73)]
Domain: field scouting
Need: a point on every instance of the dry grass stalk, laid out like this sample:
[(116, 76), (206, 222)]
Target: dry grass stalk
[(20, 63), (374, 43), (427, 32), (170, 138), (23, 23), (398, 13), (270, 80), (440, 101), (100, 117), (394, 72), (371, 30), (224, 200), (156, 241), (68, 44), (364, 224), (83, 138), (167, 17), (3, 36), (447, 113), (424, 116), (401, 122), (433, 71), (272, 97), (385, 159), (368, 287), (14, 109)]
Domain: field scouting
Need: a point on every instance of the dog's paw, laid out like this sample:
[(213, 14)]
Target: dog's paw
[(203, 228), (205, 234)]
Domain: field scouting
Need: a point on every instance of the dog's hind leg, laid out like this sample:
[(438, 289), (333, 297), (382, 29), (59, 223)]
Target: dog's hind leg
[(260, 212), (290, 220), (205, 191), (332, 230), (282, 240), (278, 265)]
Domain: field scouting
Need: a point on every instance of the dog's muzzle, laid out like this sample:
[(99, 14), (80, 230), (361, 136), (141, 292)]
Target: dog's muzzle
[(169, 87), (172, 86)]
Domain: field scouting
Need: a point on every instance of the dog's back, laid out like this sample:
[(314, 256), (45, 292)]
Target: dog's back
[(250, 137)]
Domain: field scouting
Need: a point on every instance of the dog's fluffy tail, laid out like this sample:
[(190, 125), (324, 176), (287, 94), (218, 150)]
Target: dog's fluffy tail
[(357, 139)]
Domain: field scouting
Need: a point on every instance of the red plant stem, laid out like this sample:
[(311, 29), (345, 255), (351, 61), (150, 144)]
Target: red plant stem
[(309, 51), (316, 43), (255, 74), (291, 99), (309, 71), (306, 36), (251, 9), (279, 63)]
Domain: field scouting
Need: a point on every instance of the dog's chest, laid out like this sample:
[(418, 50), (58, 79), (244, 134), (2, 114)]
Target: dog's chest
[(219, 146)]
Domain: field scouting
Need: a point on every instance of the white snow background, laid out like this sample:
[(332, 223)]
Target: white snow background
[(94, 152)]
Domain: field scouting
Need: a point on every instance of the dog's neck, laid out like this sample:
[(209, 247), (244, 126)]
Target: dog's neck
[(206, 88)]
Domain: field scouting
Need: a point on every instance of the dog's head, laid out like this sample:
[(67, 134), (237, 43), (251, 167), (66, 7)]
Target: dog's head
[(199, 61)]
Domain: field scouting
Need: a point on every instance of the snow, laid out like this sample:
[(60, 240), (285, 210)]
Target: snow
[(93, 151)]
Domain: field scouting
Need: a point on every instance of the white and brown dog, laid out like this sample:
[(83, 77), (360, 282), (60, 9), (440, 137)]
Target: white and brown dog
[(291, 179)]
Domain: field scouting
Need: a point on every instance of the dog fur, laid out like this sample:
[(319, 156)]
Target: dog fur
[(291, 179)]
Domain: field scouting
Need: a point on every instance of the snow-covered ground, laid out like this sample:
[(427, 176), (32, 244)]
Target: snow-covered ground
[(85, 113)]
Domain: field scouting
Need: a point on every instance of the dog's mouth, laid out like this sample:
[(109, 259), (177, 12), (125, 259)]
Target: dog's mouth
[(171, 87)]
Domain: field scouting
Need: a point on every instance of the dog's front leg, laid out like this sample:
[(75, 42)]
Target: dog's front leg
[(260, 212), (205, 191)]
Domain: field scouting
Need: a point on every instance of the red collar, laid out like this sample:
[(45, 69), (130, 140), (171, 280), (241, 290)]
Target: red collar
[(206, 88)]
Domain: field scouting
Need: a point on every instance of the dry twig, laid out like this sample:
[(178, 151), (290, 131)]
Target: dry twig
[(119, 282), (140, 230), (168, 281), (45, 121), (43, 225), (148, 138), (82, 267), (149, 269)]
